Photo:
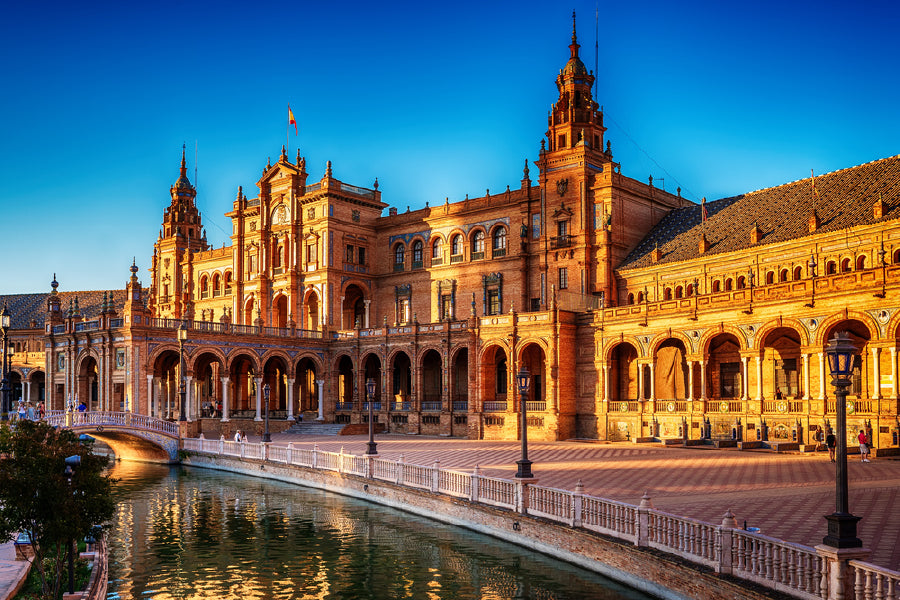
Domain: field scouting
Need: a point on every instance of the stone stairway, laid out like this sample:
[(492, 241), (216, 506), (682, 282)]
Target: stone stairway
[(314, 428)]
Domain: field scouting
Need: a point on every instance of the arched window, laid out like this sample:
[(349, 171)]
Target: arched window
[(845, 265), (417, 254), (689, 290), (830, 267), (667, 294), (399, 257), (500, 376), (204, 287), (456, 248), (437, 252), (216, 285), (741, 282), (770, 277), (498, 244), (717, 286), (896, 258), (860, 263), (227, 282), (640, 297), (783, 276), (728, 284), (679, 291), (478, 244), (630, 298), (798, 273)]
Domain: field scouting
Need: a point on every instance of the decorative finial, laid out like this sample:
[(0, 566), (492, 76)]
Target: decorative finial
[(240, 192), (376, 184), (328, 169), (525, 171), (298, 156), (574, 38), (268, 162), (283, 153), (54, 284)]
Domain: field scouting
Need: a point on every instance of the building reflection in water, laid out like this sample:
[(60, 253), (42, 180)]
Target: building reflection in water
[(194, 533)]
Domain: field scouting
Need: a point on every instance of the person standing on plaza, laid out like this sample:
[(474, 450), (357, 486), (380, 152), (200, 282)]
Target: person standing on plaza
[(831, 443), (237, 435), (21, 411), (863, 446), (41, 411)]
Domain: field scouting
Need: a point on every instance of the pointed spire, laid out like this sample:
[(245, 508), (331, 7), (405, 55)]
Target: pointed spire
[(574, 46), (525, 171), (240, 193), (283, 153), (183, 164), (103, 304), (328, 169)]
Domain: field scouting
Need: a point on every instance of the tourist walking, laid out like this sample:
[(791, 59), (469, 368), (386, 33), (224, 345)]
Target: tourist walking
[(863, 446), (237, 435), (831, 443), (41, 411)]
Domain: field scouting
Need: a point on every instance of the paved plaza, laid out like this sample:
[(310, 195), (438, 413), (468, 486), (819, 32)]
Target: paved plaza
[(785, 495)]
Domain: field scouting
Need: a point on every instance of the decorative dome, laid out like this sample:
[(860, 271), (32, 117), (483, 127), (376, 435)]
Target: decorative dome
[(183, 183)]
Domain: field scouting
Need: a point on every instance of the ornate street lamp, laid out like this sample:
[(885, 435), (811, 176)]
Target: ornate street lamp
[(266, 436), (370, 394), (4, 385), (182, 336), (523, 379), (841, 524)]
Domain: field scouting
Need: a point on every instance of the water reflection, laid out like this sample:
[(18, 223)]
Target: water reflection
[(192, 533)]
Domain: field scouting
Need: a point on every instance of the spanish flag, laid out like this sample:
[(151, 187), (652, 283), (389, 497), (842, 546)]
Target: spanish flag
[(291, 119)]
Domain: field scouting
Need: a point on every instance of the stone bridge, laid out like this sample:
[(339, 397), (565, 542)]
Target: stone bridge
[(131, 436)]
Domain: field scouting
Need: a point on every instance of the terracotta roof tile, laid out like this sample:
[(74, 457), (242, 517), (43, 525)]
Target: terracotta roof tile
[(25, 307), (782, 213)]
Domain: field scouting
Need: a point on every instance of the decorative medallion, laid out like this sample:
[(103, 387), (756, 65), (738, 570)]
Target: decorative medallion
[(723, 406), (851, 407), (623, 406), (670, 406), (781, 406), (561, 186)]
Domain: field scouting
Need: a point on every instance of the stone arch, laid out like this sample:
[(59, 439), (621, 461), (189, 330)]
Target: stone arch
[(623, 371), (789, 323), (431, 369), (457, 240), (494, 373), (660, 338), (435, 249), (280, 309), (708, 336), (533, 356), (243, 369), (781, 349), (418, 247), (307, 372), (344, 373), (248, 306), (275, 373), (828, 325), (207, 366), (354, 314), (670, 373)]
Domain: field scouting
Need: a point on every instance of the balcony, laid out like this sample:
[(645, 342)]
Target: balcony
[(560, 241), (499, 252), (398, 267), (456, 258), (437, 262), (495, 406), (417, 264), (343, 406), (477, 255)]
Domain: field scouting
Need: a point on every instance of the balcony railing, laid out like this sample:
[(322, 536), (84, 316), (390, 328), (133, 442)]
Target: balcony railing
[(456, 258), (499, 252), (535, 406), (436, 262), (398, 267), (560, 241), (495, 406), (477, 255), (461, 404), (345, 406), (375, 406)]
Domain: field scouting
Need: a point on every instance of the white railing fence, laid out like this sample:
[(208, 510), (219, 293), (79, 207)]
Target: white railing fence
[(121, 419), (793, 569)]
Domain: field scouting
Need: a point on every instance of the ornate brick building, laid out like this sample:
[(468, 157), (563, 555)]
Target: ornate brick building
[(635, 311)]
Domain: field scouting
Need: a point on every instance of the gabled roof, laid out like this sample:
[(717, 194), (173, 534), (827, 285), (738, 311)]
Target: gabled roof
[(782, 213)]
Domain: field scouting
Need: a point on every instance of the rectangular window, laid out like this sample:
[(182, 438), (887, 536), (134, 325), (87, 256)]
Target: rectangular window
[(493, 298), (730, 380), (535, 304), (311, 257), (403, 311), (535, 226), (563, 278), (786, 378), (349, 257), (446, 306), (361, 255)]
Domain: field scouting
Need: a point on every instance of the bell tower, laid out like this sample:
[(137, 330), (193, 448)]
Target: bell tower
[(181, 235)]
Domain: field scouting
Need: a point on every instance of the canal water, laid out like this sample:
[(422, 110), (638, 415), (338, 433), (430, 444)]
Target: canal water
[(196, 533)]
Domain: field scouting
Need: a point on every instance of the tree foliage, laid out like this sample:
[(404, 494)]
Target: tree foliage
[(37, 497)]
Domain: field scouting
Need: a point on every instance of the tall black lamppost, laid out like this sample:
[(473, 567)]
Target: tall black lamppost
[(266, 436), (523, 379), (182, 336), (370, 395), (841, 524), (4, 385)]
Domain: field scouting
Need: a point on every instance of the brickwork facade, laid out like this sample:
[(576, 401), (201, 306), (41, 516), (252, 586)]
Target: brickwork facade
[(636, 312)]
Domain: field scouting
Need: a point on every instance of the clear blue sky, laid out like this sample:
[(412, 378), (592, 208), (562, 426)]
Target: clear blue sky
[(435, 99)]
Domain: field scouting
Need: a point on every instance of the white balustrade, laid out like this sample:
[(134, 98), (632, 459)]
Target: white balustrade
[(793, 569)]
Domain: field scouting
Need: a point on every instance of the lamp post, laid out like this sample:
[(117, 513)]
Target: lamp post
[(4, 385), (182, 336), (370, 395), (841, 524), (71, 462), (523, 379), (266, 391)]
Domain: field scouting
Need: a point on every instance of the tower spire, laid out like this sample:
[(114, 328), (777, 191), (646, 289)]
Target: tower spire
[(574, 46)]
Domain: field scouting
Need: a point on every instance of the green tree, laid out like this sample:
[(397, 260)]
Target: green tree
[(38, 497)]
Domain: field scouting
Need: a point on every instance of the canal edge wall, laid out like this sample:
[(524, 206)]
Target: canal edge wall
[(648, 570)]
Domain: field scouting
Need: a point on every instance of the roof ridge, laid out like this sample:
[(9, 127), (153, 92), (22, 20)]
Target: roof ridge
[(787, 183)]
